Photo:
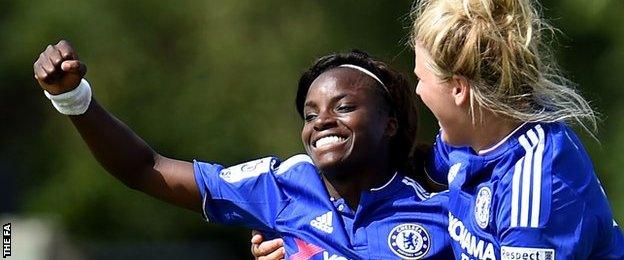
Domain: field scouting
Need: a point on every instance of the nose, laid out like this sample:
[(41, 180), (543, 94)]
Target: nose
[(324, 120)]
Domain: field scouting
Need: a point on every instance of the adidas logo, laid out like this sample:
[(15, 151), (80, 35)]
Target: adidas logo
[(323, 222)]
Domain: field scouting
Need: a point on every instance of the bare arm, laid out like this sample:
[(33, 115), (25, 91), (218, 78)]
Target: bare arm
[(116, 147)]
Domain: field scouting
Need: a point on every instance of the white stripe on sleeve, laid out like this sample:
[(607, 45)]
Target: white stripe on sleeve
[(515, 188), (537, 178), (526, 182)]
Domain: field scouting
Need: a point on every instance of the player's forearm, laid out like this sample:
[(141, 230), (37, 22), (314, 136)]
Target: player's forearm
[(60, 73), (116, 147)]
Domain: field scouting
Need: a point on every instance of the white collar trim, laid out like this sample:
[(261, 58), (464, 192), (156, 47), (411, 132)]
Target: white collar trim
[(387, 183), (502, 141)]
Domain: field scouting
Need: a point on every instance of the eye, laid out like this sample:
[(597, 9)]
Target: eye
[(345, 108), (309, 117)]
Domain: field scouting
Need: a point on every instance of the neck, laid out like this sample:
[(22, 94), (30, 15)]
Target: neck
[(349, 185), (491, 130)]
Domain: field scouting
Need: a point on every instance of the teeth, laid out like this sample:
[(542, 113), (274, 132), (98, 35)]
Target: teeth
[(328, 140)]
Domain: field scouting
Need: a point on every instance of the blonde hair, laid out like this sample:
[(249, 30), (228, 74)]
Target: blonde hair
[(498, 46)]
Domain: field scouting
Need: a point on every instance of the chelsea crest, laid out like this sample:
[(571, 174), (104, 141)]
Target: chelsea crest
[(482, 207), (409, 241)]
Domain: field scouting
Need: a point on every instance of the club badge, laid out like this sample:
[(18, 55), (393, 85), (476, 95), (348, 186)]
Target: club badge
[(409, 241), (482, 207)]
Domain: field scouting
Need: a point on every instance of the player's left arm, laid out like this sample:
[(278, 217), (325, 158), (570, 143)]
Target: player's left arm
[(551, 203), (543, 217), (527, 226)]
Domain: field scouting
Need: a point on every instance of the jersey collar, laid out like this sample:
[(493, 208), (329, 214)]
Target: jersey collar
[(386, 190), (385, 185), (506, 143)]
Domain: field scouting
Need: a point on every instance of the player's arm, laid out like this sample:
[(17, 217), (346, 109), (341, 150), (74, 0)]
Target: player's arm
[(116, 147), (551, 223)]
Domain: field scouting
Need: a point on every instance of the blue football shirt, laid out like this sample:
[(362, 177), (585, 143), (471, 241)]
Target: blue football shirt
[(533, 196), (289, 199)]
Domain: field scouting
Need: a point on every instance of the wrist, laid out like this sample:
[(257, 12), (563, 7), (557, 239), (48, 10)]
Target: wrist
[(75, 102)]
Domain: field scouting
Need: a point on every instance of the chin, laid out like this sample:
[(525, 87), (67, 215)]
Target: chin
[(330, 164), (327, 162)]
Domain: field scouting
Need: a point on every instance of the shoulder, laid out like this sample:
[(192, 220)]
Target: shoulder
[(554, 145), (543, 154), (568, 159), (422, 194), (544, 149), (299, 162), (543, 175), (415, 187), (255, 168)]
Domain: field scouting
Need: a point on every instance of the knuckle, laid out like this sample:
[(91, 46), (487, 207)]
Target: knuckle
[(66, 53), (63, 45), (48, 69)]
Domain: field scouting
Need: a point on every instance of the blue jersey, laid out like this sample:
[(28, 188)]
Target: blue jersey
[(289, 199), (533, 196)]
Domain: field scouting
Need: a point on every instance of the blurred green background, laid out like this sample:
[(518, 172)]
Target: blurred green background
[(215, 80)]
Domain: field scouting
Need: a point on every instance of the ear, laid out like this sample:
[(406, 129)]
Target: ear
[(460, 90), (392, 126)]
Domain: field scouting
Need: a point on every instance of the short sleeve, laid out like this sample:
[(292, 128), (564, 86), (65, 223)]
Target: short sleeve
[(541, 215), (247, 194), (550, 231)]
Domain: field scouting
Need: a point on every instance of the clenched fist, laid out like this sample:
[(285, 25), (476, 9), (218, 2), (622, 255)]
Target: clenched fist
[(58, 69)]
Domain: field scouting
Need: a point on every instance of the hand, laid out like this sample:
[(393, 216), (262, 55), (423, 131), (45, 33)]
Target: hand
[(266, 250), (58, 69)]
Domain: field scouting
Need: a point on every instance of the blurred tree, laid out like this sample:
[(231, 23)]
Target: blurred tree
[(215, 80)]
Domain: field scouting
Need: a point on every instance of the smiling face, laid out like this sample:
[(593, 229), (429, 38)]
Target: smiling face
[(442, 98), (347, 123)]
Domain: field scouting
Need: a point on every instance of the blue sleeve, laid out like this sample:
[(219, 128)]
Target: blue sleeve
[(246, 195), (572, 229), (537, 227), (553, 206)]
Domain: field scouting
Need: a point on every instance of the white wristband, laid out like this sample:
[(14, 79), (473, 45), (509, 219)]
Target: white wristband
[(74, 102)]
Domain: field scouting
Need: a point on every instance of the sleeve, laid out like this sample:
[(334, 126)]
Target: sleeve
[(542, 209), (247, 194), (536, 228)]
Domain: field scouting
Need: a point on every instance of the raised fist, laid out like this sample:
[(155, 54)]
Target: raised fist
[(58, 69)]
